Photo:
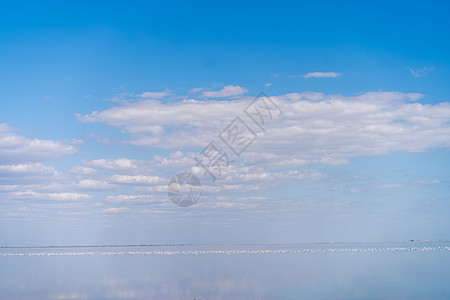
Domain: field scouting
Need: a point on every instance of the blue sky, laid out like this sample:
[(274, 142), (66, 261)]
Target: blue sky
[(102, 103)]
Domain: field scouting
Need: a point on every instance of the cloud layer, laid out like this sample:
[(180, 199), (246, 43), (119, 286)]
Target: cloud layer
[(315, 130), (227, 91), (16, 148), (315, 127)]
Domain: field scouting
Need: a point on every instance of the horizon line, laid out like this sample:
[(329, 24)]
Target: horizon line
[(218, 244)]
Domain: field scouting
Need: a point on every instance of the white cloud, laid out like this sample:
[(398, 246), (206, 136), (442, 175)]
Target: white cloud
[(52, 196), (423, 182), (113, 164), (130, 199), (227, 91), (91, 184), (15, 148), (155, 113), (322, 75), (196, 90), (142, 118), (238, 174), (80, 170), (136, 179), (268, 84), (37, 175), (315, 127), (27, 170), (155, 95), (155, 130), (9, 187), (115, 210), (420, 72), (126, 166), (121, 98)]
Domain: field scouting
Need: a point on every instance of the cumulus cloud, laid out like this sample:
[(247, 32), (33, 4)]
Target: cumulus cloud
[(80, 170), (136, 179), (236, 177), (15, 148), (52, 196), (148, 166), (91, 184), (27, 169), (226, 91), (26, 174), (332, 129), (149, 120), (135, 116), (113, 164), (315, 127)]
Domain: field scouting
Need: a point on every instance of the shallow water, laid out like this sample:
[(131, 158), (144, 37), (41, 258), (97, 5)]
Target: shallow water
[(408, 270)]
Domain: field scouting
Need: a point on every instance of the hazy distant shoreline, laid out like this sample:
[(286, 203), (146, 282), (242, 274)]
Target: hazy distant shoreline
[(216, 244)]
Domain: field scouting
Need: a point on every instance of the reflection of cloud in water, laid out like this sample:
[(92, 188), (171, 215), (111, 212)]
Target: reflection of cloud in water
[(283, 271)]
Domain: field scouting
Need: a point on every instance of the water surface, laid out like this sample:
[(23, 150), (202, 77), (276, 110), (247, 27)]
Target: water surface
[(402, 270)]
